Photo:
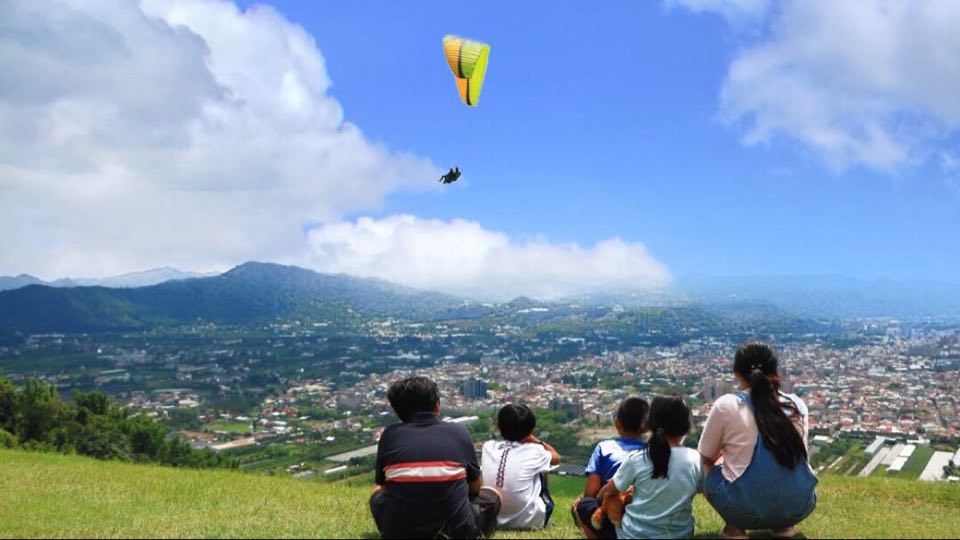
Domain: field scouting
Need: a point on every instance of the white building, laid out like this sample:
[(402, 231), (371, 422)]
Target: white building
[(933, 472), (897, 465)]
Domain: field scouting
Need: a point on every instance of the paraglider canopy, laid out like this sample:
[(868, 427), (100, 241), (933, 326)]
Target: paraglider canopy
[(468, 62)]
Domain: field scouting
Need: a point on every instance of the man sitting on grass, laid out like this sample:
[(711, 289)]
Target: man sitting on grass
[(429, 483), (518, 467)]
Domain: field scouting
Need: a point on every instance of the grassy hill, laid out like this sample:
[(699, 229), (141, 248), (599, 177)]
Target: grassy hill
[(53, 495)]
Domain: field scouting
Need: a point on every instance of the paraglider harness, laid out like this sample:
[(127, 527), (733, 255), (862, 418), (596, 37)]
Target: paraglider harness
[(451, 176)]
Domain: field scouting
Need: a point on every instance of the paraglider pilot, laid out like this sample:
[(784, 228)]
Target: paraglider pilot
[(451, 176)]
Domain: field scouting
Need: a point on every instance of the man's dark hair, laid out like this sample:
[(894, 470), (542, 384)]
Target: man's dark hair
[(413, 395), (516, 422), (632, 413)]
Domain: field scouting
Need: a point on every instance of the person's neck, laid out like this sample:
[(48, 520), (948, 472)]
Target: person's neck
[(630, 435), (675, 441)]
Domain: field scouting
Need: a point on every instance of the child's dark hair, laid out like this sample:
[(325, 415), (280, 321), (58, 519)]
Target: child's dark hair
[(669, 417), (516, 422), (632, 413), (757, 363), (412, 395)]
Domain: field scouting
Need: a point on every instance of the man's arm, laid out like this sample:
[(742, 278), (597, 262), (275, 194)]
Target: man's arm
[(594, 483), (475, 485), (379, 477)]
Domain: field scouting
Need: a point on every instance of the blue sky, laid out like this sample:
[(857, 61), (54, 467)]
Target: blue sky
[(600, 121), (616, 146)]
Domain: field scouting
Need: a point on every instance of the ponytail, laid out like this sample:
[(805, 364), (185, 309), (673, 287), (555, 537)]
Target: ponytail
[(757, 363), (668, 417), (659, 450)]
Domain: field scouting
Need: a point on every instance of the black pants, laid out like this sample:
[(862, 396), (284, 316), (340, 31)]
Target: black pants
[(584, 511), (547, 498), (485, 506)]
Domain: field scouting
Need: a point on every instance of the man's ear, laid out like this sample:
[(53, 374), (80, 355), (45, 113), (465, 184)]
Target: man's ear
[(436, 408)]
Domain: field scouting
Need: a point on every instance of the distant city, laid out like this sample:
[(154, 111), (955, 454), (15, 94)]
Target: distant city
[(306, 394)]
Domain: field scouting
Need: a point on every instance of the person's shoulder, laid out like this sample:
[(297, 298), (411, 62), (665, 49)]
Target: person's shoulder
[(638, 456), (390, 430), (796, 401), (690, 459), (688, 454), (607, 446), (451, 427), (727, 402)]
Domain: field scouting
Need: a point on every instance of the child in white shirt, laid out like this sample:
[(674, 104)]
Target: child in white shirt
[(517, 466)]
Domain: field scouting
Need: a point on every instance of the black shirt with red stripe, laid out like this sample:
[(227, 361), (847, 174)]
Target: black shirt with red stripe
[(425, 465)]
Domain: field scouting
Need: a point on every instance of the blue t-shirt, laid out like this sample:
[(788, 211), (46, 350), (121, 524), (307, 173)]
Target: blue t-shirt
[(608, 455)]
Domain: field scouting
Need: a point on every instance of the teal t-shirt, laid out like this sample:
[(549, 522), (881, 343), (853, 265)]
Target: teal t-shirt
[(662, 507)]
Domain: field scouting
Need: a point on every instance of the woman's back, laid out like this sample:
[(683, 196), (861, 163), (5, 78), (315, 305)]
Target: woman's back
[(732, 429)]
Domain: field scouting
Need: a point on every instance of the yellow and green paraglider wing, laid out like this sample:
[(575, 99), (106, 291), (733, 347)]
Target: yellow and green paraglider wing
[(468, 62)]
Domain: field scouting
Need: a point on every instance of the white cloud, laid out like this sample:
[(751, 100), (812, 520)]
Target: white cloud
[(192, 134), (871, 82), (183, 133), (461, 257), (735, 11)]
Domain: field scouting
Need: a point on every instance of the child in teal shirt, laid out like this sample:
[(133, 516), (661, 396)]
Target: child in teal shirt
[(664, 477)]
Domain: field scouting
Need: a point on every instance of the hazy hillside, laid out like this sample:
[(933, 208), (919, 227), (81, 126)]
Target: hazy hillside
[(144, 278), (828, 296), (15, 282), (59, 496), (249, 292)]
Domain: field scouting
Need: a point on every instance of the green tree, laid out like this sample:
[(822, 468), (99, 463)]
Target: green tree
[(147, 438), (184, 418), (101, 438), (39, 411), (8, 404), (91, 403), (7, 439)]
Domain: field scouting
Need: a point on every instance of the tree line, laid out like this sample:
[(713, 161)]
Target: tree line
[(34, 417)]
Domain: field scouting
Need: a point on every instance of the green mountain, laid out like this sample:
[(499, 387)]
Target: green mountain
[(248, 293)]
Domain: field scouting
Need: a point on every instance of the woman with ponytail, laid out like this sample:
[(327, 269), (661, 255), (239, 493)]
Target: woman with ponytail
[(663, 478), (754, 450)]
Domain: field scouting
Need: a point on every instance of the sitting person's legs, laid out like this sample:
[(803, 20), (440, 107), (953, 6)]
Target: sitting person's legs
[(486, 507), (583, 509), (376, 507), (547, 498)]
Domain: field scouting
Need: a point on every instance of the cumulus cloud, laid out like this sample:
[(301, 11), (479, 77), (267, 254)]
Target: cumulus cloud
[(461, 257), (870, 83), (185, 133), (735, 11)]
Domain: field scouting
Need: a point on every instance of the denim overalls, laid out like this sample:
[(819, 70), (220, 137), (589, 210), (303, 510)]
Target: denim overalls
[(767, 495)]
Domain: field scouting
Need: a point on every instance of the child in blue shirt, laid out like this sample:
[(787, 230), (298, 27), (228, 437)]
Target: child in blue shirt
[(604, 462), (663, 478)]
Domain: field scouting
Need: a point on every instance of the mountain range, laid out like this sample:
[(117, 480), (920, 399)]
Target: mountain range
[(250, 292), (257, 291), (133, 279)]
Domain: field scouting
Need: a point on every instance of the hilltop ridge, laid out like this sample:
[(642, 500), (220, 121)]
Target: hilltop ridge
[(61, 496)]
